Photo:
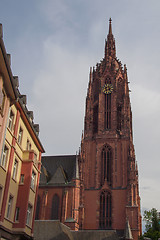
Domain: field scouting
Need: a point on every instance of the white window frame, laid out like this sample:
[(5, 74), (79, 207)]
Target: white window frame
[(33, 180), (15, 169), (9, 207), (17, 214), (20, 135), (29, 215), (2, 100), (4, 157), (21, 179), (35, 157), (10, 120), (1, 191)]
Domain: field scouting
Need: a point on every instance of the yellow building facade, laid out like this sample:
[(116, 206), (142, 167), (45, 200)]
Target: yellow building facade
[(20, 158)]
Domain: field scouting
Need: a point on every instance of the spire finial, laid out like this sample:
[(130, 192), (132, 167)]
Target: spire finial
[(110, 26), (110, 49)]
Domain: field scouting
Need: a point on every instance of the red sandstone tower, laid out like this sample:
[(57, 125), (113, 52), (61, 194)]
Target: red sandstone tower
[(108, 171)]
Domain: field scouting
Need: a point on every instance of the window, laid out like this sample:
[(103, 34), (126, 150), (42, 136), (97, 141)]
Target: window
[(22, 179), (4, 157), (29, 214), (1, 189), (10, 120), (33, 180), (36, 160), (35, 157), (28, 145), (15, 168), (105, 221), (2, 100), (106, 165), (10, 202), (20, 135), (107, 118), (107, 106), (17, 214), (55, 207)]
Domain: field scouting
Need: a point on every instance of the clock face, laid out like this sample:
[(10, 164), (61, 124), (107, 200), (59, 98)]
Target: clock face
[(107, 88)]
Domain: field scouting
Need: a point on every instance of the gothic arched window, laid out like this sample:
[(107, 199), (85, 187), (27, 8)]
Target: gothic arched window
[(55, 207), (105, 221), (38, 208), (106, 165)]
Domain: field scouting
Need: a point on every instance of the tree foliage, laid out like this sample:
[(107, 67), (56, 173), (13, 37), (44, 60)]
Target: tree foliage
[(152, 224)]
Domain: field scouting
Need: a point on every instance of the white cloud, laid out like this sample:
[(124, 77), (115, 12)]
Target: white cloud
[(59, 94)]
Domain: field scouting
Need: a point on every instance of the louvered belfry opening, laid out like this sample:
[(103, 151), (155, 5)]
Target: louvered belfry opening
[(107, 123), (105, 221)]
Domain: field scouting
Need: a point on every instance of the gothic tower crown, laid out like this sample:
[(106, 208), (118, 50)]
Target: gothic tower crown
[(107, 102)]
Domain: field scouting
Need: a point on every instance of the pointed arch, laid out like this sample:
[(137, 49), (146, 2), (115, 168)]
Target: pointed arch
[(105, 221), (106, 165), (55, 207)]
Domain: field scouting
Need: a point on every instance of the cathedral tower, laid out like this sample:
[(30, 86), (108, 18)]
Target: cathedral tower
[(108, 171)]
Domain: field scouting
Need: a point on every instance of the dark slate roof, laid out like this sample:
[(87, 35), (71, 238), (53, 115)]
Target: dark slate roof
[(58, 169)]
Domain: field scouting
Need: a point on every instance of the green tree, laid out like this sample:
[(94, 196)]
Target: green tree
[(152, 224)]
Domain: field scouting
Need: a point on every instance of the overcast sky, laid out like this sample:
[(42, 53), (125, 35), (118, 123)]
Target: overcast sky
[(53, 43)]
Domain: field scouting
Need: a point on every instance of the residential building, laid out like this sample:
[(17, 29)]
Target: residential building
[(7, 90), (20, 159)]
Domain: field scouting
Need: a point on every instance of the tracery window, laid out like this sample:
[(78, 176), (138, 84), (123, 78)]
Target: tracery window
[(55, 207), (106, 165), (105, 221), (108, 111)]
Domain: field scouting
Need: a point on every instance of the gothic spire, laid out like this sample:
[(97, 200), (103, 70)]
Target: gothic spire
[(110, 49), (110, 26)]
